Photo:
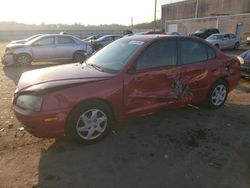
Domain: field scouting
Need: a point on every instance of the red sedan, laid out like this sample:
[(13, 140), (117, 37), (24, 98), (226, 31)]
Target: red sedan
[(132, 76)]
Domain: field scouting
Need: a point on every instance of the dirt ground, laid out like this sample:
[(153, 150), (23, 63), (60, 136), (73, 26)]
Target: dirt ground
[(185, 147)]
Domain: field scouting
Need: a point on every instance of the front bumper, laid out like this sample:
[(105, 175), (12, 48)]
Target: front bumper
[(42, 124), (8, 59), (245, 70)]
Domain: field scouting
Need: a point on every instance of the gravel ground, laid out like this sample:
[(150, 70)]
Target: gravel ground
[(183, 147)]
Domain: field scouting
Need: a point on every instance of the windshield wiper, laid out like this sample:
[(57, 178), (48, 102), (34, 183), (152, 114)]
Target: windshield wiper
[(96, 67)]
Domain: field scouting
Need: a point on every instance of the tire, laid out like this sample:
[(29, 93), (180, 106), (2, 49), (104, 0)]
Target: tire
[(79, 57), (89, 122), (217, 46), (217, 94), (237, 45), (23, 59)]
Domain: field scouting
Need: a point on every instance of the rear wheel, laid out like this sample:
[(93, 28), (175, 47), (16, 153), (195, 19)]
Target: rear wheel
[(89, 122), (217, 94), (237, 45), (23, 59)]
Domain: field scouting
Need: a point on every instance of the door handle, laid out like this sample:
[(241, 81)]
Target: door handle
[(139, 78)]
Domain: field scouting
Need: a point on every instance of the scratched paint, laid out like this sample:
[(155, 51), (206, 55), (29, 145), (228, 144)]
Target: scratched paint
[(180, 89)]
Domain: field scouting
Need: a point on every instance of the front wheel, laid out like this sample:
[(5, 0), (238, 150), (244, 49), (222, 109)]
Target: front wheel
[(89, 123), (217, 94), (23, 59), (217, 46)]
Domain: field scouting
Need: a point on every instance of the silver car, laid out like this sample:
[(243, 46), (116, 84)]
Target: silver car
[(49, 47), (224, 40)]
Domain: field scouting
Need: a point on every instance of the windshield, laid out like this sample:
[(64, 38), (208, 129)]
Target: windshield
[(101, 38), (32, 37), (200, 31), (215, 37), (115, 56)]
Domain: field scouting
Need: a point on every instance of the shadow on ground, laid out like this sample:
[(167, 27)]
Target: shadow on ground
[(14, 73), (185, 147)]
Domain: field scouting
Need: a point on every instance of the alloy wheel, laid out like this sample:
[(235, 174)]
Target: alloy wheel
[(219, 95), (91, 124)]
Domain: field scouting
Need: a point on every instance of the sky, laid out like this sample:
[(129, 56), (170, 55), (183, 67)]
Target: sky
[(88, 12)]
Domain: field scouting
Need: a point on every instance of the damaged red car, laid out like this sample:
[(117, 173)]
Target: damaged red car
[(131, 77)]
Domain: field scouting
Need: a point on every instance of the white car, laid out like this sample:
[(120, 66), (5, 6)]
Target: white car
[(224, 40)]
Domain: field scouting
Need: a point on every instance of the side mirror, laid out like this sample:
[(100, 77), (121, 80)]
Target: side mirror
[(132, 69)]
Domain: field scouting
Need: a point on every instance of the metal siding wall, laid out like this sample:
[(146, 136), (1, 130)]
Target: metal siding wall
[(225, 24)]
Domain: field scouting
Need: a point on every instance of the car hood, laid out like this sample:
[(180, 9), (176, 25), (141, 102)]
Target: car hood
[(59, 76), (15, 45), (18, 41), (212, 40)]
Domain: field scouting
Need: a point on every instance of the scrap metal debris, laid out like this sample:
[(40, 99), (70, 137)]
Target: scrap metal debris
[(20, 132)]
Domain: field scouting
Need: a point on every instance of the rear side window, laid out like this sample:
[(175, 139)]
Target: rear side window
[(160, 54), (65, 40), (194, 51)]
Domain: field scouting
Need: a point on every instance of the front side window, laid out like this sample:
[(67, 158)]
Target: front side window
[(159, 54), (65, 40), (210, 53), (192, 51), (232, 36), (45, 41)]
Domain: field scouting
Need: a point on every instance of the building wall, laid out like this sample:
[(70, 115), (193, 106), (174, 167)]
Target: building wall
[(223, 23), (179, 10), (205, 8), (195, 14), (222, 7)]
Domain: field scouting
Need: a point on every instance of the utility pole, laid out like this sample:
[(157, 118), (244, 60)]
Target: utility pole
[(197, 9), (132, 24), (155, 15)]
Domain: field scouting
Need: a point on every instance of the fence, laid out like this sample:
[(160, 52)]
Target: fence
[(6, 36)]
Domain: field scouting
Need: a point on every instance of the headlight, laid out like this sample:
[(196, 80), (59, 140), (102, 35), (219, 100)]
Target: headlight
[(30, 102), (241, 60), (7, 50)]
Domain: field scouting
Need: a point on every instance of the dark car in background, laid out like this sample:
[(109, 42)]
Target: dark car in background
[(103, 41), (204, 33), (92, 37), (173, 33), (151, 33), (245, 64), (130, 77)]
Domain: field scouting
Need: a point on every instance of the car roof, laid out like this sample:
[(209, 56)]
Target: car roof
[(223, 33), (151, 38), (48, 35)]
